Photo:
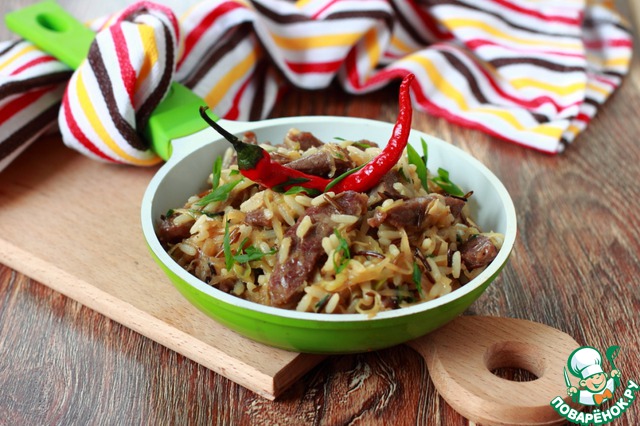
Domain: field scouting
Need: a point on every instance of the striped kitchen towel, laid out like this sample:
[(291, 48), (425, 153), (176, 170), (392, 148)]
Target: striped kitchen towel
[(529, 72)]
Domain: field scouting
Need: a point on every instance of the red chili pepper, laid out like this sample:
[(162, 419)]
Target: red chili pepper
[(371, 174), (256, 164)]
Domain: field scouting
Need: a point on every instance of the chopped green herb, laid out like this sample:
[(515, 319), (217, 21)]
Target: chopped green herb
[(195, 212), (425, 151), (443, 181), (251, 253), (216, 172), (221, 193), (242, 244), (322, 302), (243, 254), (420, 162), (338, 138), (169, 213), (417, 278), (361, 145), (342, 176), (421, 168), (289, 182), (300, 189), (234, 172), (342, 251), (226, 247)]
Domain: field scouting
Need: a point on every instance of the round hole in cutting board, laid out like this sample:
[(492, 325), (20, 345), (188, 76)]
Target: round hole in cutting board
[(515, 361), (51, 22), (514, 374)]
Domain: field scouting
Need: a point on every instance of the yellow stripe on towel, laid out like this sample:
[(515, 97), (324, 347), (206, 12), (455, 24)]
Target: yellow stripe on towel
[(98, 127)]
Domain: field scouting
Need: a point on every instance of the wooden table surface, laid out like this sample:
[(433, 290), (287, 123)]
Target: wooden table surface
[(574, 267)]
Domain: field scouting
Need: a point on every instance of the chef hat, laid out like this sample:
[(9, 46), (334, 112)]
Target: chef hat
[(585, 362)]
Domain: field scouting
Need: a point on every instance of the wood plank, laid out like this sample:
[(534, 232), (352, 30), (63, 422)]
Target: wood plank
[(74, 225)]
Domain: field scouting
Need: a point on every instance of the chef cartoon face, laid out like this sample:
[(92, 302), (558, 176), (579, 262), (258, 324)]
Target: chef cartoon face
[(596, 386), (595, 383)]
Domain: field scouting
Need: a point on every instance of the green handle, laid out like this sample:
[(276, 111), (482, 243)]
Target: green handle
[(52, 29), (175, 117)]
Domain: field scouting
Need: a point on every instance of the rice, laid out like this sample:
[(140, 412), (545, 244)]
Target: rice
[(344, 219), (374, 273), (283, 253), (304, 227)]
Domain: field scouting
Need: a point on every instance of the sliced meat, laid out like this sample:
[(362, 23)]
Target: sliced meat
[(455, 205), (250, 137), (169, 233), (477, 252), (288, 278), (321, 163), (224, 284), (298, 140), (411, 214), (279, 157), (257, 218), (385, 190)]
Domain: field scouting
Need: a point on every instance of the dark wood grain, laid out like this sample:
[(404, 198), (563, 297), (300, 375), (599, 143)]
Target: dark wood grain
[(575, 267)]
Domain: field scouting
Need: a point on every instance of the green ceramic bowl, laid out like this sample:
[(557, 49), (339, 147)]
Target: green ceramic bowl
[(185, 174)]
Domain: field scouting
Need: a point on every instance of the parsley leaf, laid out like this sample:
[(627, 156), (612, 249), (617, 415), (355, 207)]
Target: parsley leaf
[(243, 254), (216, 173), (417, 278), (361, 145), (421, 168), (221, 193), (420, 162), (226, 248), (342, 176), (196, 213), (251, 253), (443, 181), (289, 182), (300, 189), (342, 251), (425, 151), (321, 303)]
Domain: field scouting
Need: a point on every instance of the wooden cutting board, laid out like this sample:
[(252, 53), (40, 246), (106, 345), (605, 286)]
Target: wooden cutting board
[(73, 224)]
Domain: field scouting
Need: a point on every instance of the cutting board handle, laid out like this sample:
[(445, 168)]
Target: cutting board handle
[(461, 355)]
